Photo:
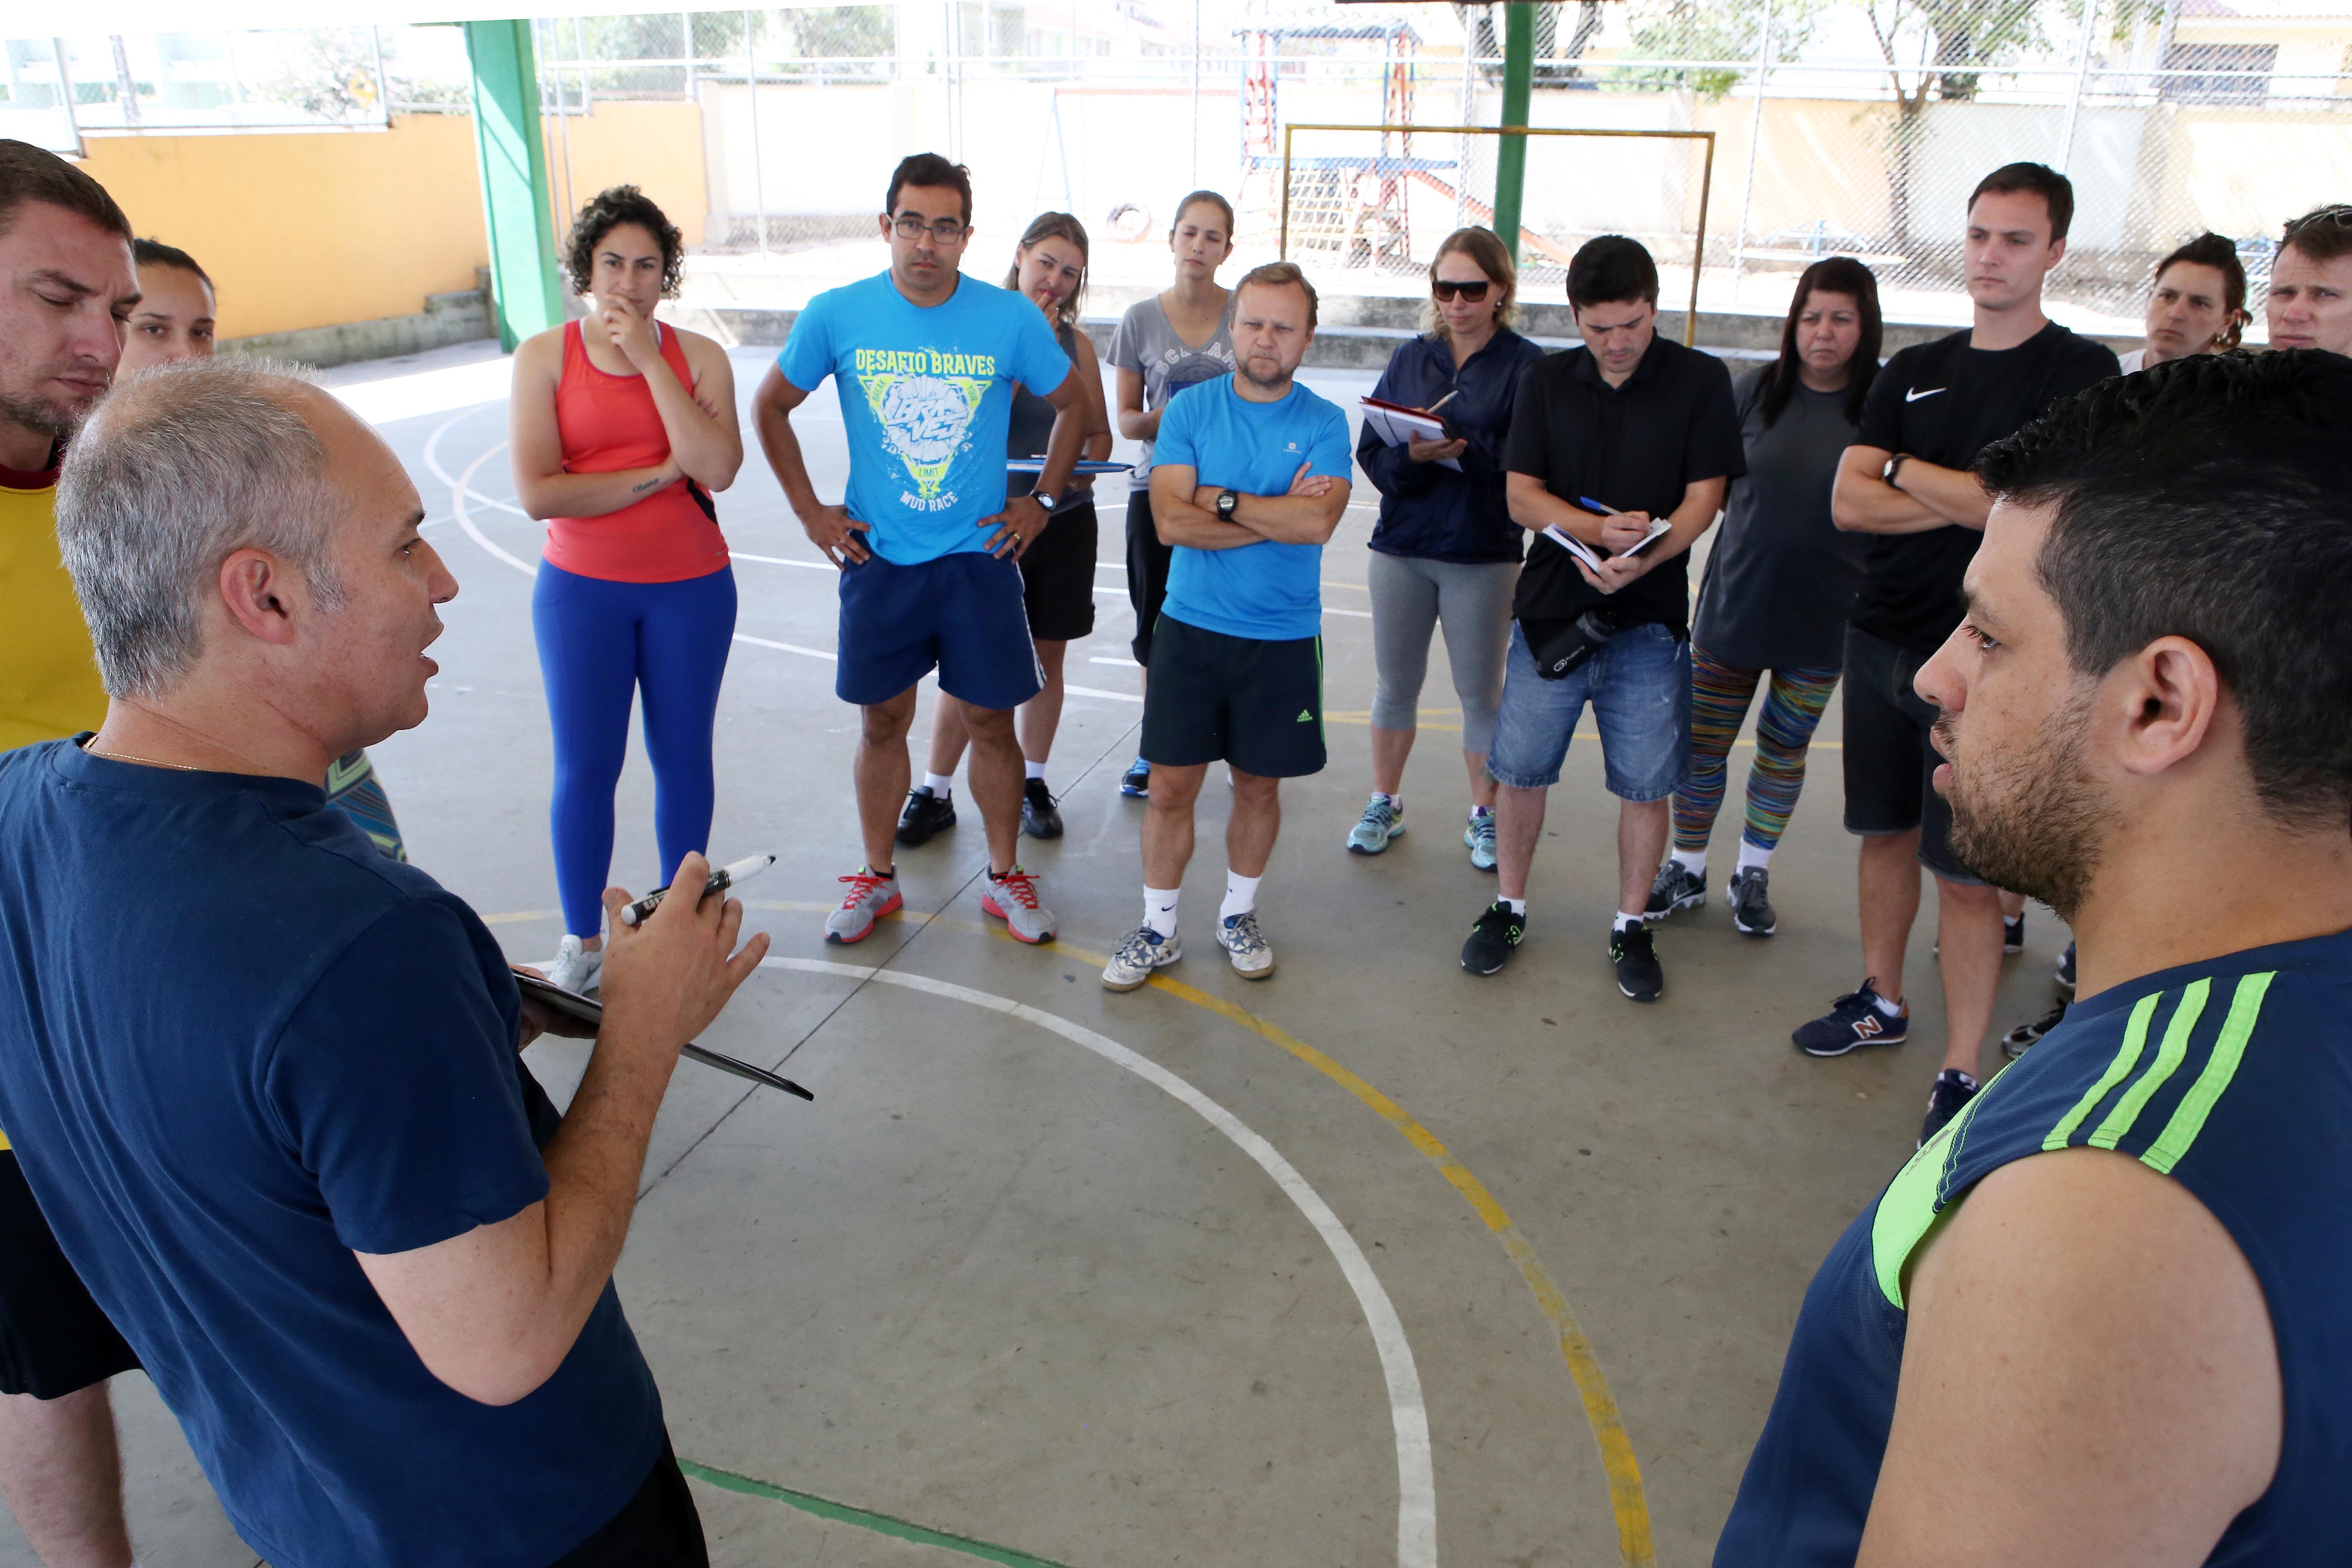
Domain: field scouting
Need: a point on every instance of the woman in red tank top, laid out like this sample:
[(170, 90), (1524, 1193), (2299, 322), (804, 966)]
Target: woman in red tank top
[(623, 428)]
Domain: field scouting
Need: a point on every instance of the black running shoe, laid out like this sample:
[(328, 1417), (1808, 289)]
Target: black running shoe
[(1678, 887), (1635, 952), (1751, 909), (2013, 1044), (1853, 1019), (1493, 938), (1038, 818), (1136, 783), (2064, 978), (925, 814), (1953, 1090), (2013, 933)]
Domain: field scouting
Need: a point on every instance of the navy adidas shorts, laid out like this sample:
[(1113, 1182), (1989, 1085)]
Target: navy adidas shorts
[(963, 615)]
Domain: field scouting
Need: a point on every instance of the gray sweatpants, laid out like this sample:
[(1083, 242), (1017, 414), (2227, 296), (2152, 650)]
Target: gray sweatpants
[(1410, 596)]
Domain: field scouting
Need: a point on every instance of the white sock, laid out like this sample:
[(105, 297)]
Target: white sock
[(1752, 858), (1159, 909), (1395, 800), (939, 784), (1241, 896), (1034, 770), (1890, 1008), (1621, 920), (1516, 906), (1691, 861)]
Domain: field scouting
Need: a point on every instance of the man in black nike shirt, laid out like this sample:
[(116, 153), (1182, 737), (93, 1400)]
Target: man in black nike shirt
[(1906, 482)]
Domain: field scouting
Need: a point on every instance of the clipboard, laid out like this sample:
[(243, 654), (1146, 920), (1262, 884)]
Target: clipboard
[(1396, 423), (588, 1010)]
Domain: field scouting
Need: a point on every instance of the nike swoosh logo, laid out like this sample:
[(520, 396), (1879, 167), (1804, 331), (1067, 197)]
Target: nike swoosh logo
[(1915, 395)]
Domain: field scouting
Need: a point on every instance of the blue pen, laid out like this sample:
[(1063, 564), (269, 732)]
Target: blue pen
[(1589, 504)]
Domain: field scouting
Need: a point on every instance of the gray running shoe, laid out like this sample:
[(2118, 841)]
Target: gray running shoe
[(869, 899), (1479, 838), (576, 967), (1012, 898), (1677, 889), (1751, 907), (1144, 951), (1238, 935), (1383, 820)]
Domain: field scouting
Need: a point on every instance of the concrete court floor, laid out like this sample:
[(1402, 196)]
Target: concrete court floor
[(1001, 1282)]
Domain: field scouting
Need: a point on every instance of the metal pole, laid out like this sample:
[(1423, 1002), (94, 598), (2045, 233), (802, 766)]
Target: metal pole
[(685, 48), (1196, 96), (554, 77), (512, 153), (383, 86), (2081, 72), (126, 89), (1469, 115), (66, 95), (1511, 153), (1755, 145), (759, 166)]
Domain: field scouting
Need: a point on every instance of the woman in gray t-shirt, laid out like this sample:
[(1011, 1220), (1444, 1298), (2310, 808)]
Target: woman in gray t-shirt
[(1778, 587), (1164, 344)]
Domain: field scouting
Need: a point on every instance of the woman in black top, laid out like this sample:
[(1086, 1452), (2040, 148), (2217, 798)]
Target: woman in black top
[(1445, 551), (1777, 586), (1057, 571)]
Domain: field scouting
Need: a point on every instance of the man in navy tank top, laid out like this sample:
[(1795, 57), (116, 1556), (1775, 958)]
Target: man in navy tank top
[(2102, 1317)]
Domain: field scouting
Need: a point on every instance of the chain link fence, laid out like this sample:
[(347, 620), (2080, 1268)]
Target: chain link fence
[(1838, 125)]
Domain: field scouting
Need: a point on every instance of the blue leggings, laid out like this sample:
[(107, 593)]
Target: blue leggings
[(600, 643)]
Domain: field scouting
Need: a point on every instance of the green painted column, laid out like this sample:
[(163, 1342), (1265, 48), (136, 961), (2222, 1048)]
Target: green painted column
[(1518, 83), (516, 200)]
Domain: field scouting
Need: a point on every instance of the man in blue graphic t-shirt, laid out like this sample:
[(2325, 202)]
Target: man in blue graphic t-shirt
[(925, 360), (1249, 476), (2099, 1320)]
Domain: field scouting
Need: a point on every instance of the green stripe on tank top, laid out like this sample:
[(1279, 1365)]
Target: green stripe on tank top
[(1906, 1210), (2169, 1054), (2188, 1119), (2126, 1059)]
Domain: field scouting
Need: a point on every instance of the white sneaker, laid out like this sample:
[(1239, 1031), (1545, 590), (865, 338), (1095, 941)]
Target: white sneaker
[(1144, 951), (1253, 955), (574, 967)]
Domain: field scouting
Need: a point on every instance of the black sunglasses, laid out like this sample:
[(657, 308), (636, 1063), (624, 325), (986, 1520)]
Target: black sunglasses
[(1473, 292)]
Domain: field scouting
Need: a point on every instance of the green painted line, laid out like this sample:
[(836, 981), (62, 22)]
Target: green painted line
[(880, 1523)]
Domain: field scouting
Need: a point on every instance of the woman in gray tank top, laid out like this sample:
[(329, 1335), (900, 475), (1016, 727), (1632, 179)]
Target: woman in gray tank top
[(1058, 571), (1164, 344)]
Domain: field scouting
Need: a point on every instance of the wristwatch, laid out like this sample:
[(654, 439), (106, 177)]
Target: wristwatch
[(1226, 502), (1893, 466), (1046, 501)]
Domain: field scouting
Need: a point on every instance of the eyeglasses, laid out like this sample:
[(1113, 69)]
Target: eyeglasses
[(1473, 292), (946, 231)]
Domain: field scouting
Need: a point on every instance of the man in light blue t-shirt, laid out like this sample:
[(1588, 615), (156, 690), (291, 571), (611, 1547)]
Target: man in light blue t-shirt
[(926, 361), (1249, 478)]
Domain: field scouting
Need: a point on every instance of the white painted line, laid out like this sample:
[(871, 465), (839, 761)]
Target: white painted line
[(1091, 692), (781, 561), (1351, 615), (1408, 1417), (788, 648), (1122, 663), (465, 519)]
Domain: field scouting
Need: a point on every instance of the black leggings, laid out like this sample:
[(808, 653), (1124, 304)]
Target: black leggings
[(1147, 570), (659, 1528)]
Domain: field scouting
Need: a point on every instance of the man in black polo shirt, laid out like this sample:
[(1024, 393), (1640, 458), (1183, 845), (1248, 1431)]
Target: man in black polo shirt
[(1632, 426), (1907, 483)]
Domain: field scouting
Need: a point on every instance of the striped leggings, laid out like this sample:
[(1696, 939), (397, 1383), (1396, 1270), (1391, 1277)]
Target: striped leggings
[(1720, 697)]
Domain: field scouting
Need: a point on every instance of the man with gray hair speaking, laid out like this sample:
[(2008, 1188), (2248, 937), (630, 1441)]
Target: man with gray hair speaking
[(263, 1080)]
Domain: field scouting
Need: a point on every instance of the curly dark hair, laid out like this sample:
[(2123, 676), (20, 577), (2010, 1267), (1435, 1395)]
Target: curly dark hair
[(605, 212)]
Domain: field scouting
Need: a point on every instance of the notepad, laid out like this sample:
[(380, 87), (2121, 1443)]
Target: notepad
[(1396, 424), (1593, 558)]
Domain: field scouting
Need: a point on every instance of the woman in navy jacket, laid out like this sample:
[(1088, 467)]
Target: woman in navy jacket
[(1445, 551)]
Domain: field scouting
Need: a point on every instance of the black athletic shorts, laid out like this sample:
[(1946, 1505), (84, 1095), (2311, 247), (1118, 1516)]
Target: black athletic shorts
[(1147, 571), (53, 1339), (660, 1525), (1058, 576), (1255, 704), (1890, 761)]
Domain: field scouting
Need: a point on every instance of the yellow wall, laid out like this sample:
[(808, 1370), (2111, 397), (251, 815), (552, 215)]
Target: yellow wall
[(313, 231), (301, 230)]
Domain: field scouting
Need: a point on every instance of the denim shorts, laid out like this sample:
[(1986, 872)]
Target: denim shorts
[(1639, 683)]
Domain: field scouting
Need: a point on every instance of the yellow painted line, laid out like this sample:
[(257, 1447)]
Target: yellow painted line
[(1627, 1500)]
